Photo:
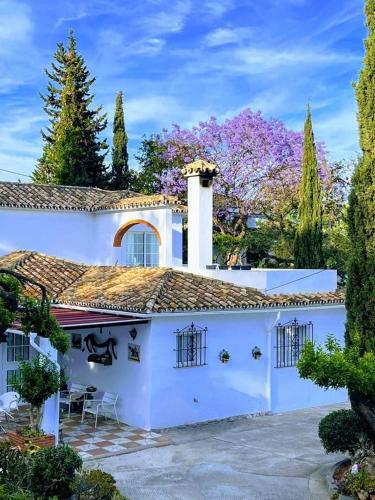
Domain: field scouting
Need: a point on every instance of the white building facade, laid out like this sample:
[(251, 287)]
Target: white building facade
[(202, 343)]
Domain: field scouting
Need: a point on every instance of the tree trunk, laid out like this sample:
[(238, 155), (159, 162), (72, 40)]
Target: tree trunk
[(35, 416), (365, 408)]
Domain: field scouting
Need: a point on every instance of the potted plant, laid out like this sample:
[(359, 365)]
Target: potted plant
[(37, 381), (224, 356)]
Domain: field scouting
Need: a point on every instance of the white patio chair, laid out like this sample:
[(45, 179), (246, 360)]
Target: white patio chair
[(75, 392), (8, 402), (104, 406)]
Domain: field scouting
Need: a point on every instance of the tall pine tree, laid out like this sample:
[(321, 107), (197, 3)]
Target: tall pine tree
[(73, 153), (308, 252), (120, 175)]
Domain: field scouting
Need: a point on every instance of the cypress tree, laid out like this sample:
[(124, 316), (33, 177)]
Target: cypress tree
[(360, 297), (120, 169), (73, 153), (308, 252)]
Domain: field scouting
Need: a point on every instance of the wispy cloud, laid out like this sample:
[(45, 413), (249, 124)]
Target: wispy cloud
[(184, 61), (227, 36)]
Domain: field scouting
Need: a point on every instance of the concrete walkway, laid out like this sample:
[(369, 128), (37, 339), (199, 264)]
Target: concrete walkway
[(276, 457)]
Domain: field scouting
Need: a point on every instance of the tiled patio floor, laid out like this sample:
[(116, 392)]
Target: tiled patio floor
[(108, 439)]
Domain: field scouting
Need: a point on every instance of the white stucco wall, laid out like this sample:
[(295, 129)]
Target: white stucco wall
[(242, 386), (289, 392), (86, 237), (67, 235), (131, 380)]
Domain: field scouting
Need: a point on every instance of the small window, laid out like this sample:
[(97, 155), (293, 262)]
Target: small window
[(141, 249), (18, 347), (290, 340), (190, 346)]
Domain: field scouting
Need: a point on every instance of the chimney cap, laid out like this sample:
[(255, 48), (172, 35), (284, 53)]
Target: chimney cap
[(200, 167)]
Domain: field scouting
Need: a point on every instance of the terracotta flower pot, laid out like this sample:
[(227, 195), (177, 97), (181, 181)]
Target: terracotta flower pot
[(23, 442)]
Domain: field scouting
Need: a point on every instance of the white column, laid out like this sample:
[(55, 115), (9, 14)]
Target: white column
[(50, 420), (165, 230), (200, 223)]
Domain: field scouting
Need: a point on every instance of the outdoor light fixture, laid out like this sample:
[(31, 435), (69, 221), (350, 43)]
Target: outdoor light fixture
[(256, 352)]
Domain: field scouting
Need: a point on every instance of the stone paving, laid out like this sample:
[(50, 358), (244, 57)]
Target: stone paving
[(277, 457)]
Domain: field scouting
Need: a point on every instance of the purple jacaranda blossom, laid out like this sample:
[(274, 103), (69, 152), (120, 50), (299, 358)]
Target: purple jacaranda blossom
[(257, 158)]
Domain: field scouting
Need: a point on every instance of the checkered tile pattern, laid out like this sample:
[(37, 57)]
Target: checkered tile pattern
[(109, 438)]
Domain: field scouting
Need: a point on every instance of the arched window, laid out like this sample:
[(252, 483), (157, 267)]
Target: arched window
[(141, 247)]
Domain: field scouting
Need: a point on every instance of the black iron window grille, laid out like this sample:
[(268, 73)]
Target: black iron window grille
[(190, 346), (290, 340)]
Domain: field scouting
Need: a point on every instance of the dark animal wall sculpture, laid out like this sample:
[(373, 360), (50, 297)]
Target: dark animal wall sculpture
[(105, 358)]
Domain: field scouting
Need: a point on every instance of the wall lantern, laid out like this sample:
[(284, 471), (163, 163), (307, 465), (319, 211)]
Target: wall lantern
[(133, 333), (256, 352), (224, 356)]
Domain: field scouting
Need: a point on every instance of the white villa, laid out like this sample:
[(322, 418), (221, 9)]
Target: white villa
[(112, 262)]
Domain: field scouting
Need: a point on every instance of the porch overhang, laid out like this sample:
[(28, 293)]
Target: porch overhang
[(77, 318)]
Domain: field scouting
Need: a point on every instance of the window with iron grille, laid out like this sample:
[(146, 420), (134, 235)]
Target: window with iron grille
[(190, 346), (290, 340)]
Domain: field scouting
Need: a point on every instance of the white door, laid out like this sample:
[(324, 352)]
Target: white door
[(16, 349)]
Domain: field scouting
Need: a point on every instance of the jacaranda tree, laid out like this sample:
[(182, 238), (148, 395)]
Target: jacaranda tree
[(260, 171)]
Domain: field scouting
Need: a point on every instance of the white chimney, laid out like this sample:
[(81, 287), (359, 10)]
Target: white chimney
[(200, 175)]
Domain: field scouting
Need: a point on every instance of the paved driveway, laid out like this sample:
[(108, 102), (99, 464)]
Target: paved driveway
[(270, 457)]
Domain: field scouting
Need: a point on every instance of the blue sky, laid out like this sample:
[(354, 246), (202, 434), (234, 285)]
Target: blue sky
[(183, 62)]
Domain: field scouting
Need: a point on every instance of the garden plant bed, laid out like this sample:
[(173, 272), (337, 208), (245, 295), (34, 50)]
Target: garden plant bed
[(23, 442)]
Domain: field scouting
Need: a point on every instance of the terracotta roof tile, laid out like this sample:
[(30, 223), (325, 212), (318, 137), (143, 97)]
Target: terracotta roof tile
[(87, 199), (147, 290)]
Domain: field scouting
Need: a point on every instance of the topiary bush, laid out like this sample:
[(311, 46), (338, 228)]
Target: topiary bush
[(342, 431), (38, 380), (52, 470), (96, 484)]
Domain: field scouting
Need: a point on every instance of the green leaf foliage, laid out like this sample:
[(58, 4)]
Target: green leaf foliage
[(308, 250), (151, 164), (52, 471), (38, 380), (342, 431), (354, 366), (96, 484), (73, 154), (121, 177), (335, 367)]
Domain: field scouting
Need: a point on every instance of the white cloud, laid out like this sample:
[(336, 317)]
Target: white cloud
[(226, 36), (217, 8), (170, 20), (18, 55)]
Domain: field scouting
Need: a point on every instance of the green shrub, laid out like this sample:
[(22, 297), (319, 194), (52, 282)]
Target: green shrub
[(9, 493), (342, 431), (96, 484), (52, 470), (13, 466), (60, 340), (360, 482), (38, 380)]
